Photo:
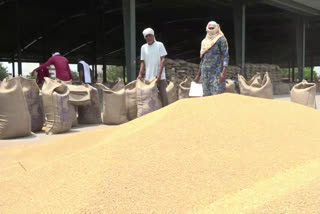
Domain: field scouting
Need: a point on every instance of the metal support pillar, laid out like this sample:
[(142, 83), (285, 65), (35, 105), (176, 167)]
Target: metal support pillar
[(129, 26), (100, 38), (124, 73), (289, 69), (312, 67), (301, 46), (239, 16), (293, 70), (96, 72), (13, 69), (18, 18)]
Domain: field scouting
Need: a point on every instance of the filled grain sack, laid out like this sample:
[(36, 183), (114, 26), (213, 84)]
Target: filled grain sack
[(69, 82), (230, 86), (15, 118), (171, 92), (74, 115), (79, 95), (119, 85), (131, 100), (184, 88), (56, 105), (304, 93), (256, 87), (31, 93), (114, 110), (91, 113), (147, 97)]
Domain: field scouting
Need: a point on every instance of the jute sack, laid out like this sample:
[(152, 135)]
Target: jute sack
[(147, 97), (79, 95), (90, 114), (114, 110), (56, 105), (184, 88), (304, 93), (15, 119), (131, 100), (74, 115), (69, 82), (32, 95), (230, 86), (257, 88), (171, 92), (119, 85), (244, 84)]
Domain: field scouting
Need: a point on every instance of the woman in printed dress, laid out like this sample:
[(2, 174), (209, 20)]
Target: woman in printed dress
[(214, 61)]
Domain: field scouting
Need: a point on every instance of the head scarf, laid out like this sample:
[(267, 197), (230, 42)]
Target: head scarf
[(211, 37), (147, 31)]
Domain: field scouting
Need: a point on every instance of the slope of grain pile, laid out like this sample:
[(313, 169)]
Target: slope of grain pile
[(222, 154)]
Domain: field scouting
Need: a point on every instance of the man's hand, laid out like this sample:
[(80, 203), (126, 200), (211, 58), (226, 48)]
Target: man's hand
[(32, 73), (139, 76), (158, 77)]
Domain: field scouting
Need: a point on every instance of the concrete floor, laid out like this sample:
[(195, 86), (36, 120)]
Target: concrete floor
[(287, 98), (41, 137)]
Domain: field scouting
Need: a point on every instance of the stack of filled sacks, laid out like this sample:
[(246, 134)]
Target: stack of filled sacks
[(124, 103), (256, 87), (15, 120), (304, 93)]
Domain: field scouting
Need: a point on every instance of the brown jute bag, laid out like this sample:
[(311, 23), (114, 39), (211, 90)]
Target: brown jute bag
[(90, 114), (171, 92), (114, 110), (31, 93), (304, 93), (147, 97), (79, 95), (15, 119), (230, 86), (256, 87), (56, 105), (131, 100), (184, 88)]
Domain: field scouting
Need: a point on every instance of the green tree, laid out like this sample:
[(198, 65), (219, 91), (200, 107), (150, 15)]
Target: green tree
[(113, 73), (307, 73), (34, 76), (75, 76), (3, 72)]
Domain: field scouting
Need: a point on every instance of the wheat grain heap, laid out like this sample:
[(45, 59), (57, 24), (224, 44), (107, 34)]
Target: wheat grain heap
[(223, 154)]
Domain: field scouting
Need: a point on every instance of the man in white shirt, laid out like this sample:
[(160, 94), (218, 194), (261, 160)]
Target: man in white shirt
[(84, 70), (152, 62)]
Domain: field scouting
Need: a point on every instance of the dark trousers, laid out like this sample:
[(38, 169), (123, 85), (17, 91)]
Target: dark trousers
[(162, 85)]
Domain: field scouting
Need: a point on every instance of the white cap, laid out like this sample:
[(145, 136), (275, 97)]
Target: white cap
[(147, 31)]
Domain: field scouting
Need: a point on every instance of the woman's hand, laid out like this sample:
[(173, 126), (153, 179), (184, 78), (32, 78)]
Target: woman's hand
[(197, 78), (223, 75)]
